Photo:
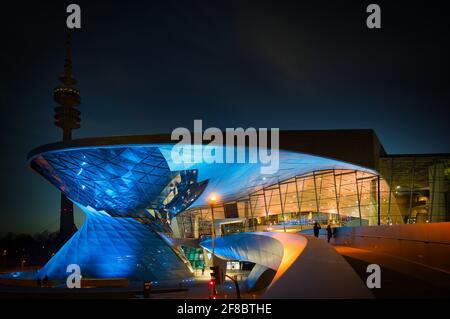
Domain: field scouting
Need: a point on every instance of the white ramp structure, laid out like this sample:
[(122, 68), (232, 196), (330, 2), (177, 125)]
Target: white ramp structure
[(303, 266)]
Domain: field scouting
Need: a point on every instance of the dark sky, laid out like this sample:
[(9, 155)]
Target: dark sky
[(151, 66)]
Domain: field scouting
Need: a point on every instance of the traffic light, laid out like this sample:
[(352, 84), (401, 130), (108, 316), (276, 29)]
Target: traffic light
[(216, 275)]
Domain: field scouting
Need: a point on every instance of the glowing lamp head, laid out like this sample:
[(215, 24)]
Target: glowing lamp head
[(213, 198)]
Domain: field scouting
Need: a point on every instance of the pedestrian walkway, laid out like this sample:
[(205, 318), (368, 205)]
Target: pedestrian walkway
[(319, 273)]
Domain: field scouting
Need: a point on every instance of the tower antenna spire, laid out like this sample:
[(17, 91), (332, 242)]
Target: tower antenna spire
[(67, 77)]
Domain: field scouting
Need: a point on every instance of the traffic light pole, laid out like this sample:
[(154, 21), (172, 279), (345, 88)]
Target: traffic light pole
[(236, 285), (215, 272), (215, 277)]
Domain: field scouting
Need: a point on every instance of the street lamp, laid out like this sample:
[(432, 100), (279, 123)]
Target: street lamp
[(215, 274), (212, 199)]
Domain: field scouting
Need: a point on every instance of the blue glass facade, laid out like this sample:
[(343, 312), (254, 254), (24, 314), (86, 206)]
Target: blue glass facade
[(128, 194), (121, 247), (123, 181)]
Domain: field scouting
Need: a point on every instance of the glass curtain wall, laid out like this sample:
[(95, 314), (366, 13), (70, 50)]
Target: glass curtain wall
[(408, 190), (339, 197), (420, 185)]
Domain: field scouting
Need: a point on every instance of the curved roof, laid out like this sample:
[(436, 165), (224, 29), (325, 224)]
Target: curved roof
[(124, 175), (101, 141), (338, 144)]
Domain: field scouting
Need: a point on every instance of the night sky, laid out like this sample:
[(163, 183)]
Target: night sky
[(149, 67)]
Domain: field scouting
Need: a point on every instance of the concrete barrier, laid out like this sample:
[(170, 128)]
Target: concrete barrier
[(426, 244)]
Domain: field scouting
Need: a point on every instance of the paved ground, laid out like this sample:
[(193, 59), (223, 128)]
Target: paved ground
[(196, 290), (319, 273), (399, 278)]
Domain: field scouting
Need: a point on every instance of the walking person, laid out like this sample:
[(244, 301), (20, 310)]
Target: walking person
[(329, 232), (316, 229)]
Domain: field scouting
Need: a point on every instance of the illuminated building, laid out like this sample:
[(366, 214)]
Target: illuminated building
[(137, 199)]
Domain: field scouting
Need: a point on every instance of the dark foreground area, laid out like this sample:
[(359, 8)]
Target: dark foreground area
[(399, 278)]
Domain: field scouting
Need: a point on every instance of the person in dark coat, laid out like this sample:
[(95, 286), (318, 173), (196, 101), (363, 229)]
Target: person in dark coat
[(316, 229), (329, 232)]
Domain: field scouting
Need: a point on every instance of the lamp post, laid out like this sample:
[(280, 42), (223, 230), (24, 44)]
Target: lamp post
[(212, 201), (215, 274)]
